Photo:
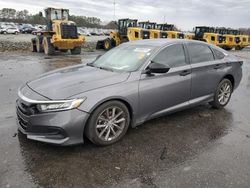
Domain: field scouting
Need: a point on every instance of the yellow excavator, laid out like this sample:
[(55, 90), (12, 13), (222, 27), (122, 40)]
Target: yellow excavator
[(154, 31), (207, 34), (171, 31), (127, 31), (60, 34)]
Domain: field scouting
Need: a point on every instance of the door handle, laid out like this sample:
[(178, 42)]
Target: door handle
[(218, 66), (185, 73)]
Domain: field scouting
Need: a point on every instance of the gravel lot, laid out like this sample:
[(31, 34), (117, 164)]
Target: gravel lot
[(21, 42), (198, 147), (28, 37)]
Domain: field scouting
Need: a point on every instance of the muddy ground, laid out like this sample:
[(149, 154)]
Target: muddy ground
[(198, 147)]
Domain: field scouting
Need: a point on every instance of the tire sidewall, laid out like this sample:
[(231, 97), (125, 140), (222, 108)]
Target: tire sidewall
[(91, 125)]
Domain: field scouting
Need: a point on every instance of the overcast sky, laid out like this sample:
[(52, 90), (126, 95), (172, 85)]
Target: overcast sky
[(184, 13)]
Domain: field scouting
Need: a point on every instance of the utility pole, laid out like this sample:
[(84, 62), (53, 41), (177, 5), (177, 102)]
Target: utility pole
[(114, 10)]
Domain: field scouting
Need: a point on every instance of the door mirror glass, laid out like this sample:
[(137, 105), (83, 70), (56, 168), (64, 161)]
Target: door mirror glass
[(158, 68)]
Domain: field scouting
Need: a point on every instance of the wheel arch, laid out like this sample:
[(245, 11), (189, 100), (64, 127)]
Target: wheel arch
[(231, 78), (120, 99)]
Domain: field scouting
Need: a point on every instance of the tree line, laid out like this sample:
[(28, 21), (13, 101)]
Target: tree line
[(23, 16)]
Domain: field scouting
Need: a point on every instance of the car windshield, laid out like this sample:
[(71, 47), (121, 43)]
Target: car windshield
[(125, 58)]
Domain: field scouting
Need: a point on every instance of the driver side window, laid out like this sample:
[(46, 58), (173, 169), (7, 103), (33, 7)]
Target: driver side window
[(172, 56)]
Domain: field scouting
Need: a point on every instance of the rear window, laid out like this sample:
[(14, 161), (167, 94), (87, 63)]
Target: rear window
[(200, 53), (218, 54)]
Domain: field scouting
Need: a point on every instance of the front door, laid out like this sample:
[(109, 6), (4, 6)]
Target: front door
[(160, 93)]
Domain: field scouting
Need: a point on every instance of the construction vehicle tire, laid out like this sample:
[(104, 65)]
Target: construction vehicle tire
[(107, 44), (76, 50), (49, 49), (39, 46), (33, 45)]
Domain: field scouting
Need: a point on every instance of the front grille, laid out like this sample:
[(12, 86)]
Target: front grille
[(68, 31), (145, 34), (22, 122)]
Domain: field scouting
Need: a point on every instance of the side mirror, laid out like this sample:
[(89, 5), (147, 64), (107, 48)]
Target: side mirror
[(157, 68)]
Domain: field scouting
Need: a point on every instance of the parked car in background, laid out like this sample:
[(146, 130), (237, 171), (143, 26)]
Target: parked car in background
[(128, 85), (82, 31), (12, 30), (26, 30), (3, 30)]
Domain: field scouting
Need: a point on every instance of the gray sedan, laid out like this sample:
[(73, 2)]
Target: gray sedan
[(125, 87)]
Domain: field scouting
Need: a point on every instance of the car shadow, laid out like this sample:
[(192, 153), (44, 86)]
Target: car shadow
[(157, 145)]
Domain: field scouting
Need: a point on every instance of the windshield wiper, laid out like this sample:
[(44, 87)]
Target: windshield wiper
[(106, 68), (90, 64)]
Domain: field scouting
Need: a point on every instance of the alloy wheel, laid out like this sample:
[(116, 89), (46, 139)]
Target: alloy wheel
[(110, 123), (224, 93)]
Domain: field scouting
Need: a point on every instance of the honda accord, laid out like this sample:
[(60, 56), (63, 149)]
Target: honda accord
[(125, 87)]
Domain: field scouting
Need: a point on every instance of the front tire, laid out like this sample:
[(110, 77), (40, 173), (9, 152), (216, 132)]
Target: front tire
[(49, 49), (222, 94), (107, 44), (108, 123)]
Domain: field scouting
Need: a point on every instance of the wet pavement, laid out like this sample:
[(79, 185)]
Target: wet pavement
[(198, 147)]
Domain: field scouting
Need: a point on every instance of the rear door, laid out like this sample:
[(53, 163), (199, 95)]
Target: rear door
[(206, 71), (160, 93)]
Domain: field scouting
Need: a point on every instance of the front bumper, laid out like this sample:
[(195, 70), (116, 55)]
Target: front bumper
[(61, 128)]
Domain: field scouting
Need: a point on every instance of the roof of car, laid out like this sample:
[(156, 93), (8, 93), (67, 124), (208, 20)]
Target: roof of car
[(162, 42), (165, 42)]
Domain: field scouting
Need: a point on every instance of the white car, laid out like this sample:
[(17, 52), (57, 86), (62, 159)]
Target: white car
[(12, 30), (83, 32)]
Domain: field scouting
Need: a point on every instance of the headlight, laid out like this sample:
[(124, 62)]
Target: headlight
[(51, 106)]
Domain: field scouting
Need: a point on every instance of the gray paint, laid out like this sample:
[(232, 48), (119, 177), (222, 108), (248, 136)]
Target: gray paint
[(149, 96)]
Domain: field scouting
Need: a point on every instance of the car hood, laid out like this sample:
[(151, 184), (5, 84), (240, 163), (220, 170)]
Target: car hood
[(67, 82)]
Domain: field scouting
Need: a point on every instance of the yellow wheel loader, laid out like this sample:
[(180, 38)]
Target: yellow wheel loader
[(244, 42), (127, 31), (60, 34), (207, 34), (154, 31), (190, 36), (171, 31), (230, 40)]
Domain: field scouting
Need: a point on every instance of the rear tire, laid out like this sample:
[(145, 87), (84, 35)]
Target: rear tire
[(33, 45), (222, 94), (49, 49), (76, 50), (108, 123)]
